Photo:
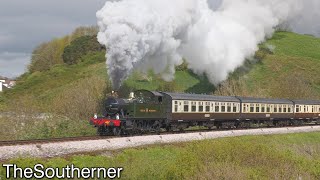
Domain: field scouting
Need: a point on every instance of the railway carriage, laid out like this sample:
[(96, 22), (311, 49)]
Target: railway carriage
[(149, 111), (306, 111), (204, 110), (268, 111)]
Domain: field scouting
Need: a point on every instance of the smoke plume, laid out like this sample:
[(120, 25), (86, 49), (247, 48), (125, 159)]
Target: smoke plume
[(215, 37)]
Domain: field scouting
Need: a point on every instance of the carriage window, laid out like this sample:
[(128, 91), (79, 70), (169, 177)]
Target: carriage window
[(285, 108), (234, 107), (275, 109), (207, 106), (217, 107), (212, 106), (175, 106), (193, 106), (289, 108), (304, 109), (244, 108), (200, 106), (251, 107), (228, 107), (257, 107), (280, 108), (268, 108), (263, 108), (297, 108), (186, 106), (223, 107)]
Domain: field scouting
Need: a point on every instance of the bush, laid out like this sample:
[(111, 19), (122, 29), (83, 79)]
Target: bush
[(47, 55), (81, 99), (183, 66), (80, 47)]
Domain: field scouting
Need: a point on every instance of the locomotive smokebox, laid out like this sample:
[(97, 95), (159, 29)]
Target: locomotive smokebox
[(114, 105)]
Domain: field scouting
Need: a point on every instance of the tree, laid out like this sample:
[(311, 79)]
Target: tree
[(80, 47), (50, 53), (47, 55), (83, 31)]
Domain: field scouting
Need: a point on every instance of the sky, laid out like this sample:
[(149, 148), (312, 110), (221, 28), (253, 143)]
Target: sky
[(24, 24)]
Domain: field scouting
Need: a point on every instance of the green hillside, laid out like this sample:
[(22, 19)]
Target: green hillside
[(286, 66), (291, 70)]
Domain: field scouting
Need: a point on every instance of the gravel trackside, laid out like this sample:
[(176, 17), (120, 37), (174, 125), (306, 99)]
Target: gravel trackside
[(65, 148)]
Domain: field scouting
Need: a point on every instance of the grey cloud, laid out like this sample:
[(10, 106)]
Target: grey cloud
[(13, 64), (214, 4), (26, 24)]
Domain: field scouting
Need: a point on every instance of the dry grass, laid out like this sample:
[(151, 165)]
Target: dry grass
[(82, 99), (65, 115), (238, 87)]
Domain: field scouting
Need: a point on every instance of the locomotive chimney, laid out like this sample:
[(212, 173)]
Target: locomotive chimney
[(114, 94), (131, 95)]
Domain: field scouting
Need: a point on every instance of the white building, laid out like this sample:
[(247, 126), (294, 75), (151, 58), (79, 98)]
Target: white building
[(1, 85), (6, 84)]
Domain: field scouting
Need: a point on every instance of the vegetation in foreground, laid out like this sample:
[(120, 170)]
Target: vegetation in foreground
[(293, 156)]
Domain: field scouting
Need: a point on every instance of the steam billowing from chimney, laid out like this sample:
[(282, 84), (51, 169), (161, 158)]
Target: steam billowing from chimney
[(214, 38)]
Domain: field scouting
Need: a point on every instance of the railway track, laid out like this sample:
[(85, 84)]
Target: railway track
[(67, 146), (85, 138), (51, 140)]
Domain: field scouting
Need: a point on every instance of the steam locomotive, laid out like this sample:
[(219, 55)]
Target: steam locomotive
[(151, 111)]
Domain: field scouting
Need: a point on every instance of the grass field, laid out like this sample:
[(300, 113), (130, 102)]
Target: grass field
[(293, 156)]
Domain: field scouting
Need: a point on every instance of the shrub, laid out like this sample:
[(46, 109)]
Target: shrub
[(80, 47), (47, 55), (82, 98)]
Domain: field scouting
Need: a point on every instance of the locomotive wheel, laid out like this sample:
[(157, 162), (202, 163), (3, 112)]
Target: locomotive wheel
[(168, 128), (157, 129), (102, 131), (116, 131), (137, 128)]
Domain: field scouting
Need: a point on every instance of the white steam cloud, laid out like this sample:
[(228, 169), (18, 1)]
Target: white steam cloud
[(214, 38)]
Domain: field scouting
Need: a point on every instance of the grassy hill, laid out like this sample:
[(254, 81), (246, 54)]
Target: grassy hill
[(286, 66), (291, 70)]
